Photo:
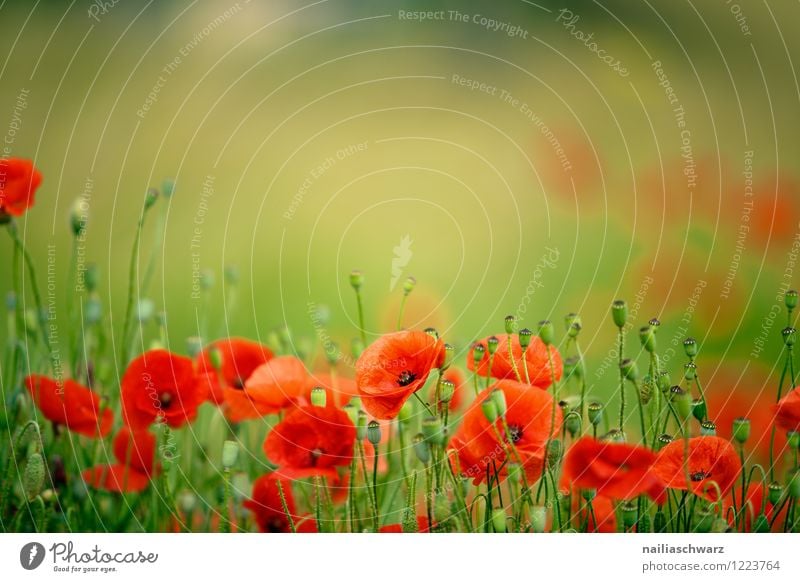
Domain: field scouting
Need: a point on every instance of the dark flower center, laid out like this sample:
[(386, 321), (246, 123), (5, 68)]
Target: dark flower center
[(406, 377), (276, 525), (165, 398), (699, 476), (315, 455), (515, 433), (238, 383)]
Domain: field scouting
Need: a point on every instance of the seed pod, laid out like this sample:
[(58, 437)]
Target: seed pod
[(595, 412), (708, 428), (319, 397), (774, 492), (150, 198), (431, 331), (408, 285), (629, 512), (573, 424), (449, 353), (433, 431), (489, 408), (663, 440), (790, 299), (422, 449), (554, 452), (478, 351), (646, 390), (629, 370), (525, 338), (690, 347), (546, 332), (699, 409), (446, 391), (789, 335), (230, 452), (572, 319), (690, 371), (682, 402), (491, 344), (647, 336), (741, 430), (79, 216), (619, 313), (510, 324), (356, 279), (374, 432)]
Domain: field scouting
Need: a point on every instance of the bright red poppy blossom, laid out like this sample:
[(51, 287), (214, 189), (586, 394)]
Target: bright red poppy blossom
[(135, 453), (239, 359), (266, 505), (711, 459), (615, 470), (538, 363), (787, 411), (311, 440), (393, 367), (273, 386), (338, 389), (19, 180), (160, 384), (70, 404), (528, 416)]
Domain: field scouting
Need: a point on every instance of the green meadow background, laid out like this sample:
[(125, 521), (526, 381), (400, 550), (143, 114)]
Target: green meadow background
[(307, 139)]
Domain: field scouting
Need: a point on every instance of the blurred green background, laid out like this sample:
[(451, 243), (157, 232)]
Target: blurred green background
[(308, 139)]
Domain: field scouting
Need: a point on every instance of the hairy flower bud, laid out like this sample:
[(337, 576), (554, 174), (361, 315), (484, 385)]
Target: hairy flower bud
[(33, 477)]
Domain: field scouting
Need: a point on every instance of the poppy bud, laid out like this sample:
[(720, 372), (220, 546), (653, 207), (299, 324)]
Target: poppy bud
[(683, 403), (741, 430), (230, 452), (187, 501), (525, 338), (150, 198), (511, 324), (629, 513), (629, 369), (761, 524), (573, 424), (546, 332), (660, 522), (478, 352), (492, 344), (490, 411), (421, 449), (663, 440), (499, 520), (33, 478), (794, 439), (619, 313), (664, 381), (554, 452), (708, 428), (538, 518), (356, 279), (194, 345), (704, 520), (207, 279), (408, 285), (446, 391), (789, 334), (774, 492), (790, 299), (432, 331), (449, 352), (319, 397), (499, 399), (361, 425), (690, 371), (595, 412), (352, 412), (374, 432), (574, 330), (78, 216), (690, 347), (145, 310), (356, 347), (432, 430), (793, 484), (699, 409), (647, 336), (570, 319), (168, 187), (215, 357), (406, 412)]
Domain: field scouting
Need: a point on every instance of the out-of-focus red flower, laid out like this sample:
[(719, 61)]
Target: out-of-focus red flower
[(787, 411), (457, 377), (339, 390), (392, 368), (160, 384), (711, 459), (267, 507), (528, 416), (71, 404), (273, 386), (539, 370), (615, 470), (134, 451), (19, 180), (311, 440), (422, 526), (239, 359)]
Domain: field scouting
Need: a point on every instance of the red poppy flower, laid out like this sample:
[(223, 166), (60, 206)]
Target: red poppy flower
[(339, 390), (267, 507), (615, 470), (711, 460), (160, 384), (271, 387), (19, 180), (311, 440), (538, 363), (787, 411), (392, 368), (71, 404), (134, 452), (528, 416), (422, 526), (240, 358)]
